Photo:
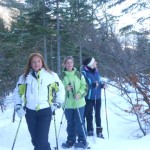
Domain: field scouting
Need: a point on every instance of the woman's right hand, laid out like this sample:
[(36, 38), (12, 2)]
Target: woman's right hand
[(69, 87)]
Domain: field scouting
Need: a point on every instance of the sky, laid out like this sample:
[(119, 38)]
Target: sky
[(7, 16), (132, 16), (123, 131), (129, 18)]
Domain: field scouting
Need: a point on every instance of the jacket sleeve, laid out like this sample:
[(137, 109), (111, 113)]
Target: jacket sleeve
[(19, 91), (60, 95), (83, 87), (88, 80)]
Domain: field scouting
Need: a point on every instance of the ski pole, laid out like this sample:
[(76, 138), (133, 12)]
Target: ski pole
[(13, 119), (95, 104), (106, 113), (62, 117), (61, 122), (56, 148), (16, 134), (81, 120)]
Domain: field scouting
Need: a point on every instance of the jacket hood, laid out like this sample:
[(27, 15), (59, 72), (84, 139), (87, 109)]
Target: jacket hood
[(87, 69), (69, 72)]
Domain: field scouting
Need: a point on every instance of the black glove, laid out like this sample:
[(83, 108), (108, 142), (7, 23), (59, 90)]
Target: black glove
[(95, 84), (103, 86), (55, 106)]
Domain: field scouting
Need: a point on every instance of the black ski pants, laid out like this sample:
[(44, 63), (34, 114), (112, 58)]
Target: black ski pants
[(90, 104), (38, 125)]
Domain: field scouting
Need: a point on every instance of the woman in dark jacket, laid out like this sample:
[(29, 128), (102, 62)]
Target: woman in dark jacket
[(93, 97)]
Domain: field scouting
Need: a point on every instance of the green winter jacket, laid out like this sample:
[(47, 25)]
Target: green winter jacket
[(77, 80)]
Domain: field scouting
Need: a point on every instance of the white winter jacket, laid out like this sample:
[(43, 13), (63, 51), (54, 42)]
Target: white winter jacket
[(37, 93)]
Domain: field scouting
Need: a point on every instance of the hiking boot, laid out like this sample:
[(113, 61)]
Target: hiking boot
[(81, 144), (68, 144), (90, 133), (99, 132), (100, 135)]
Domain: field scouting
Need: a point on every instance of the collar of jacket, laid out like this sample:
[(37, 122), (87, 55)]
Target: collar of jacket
[(88, 69), (36, 74), (69, 73)]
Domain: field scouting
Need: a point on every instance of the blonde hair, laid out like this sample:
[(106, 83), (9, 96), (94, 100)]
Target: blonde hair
[(66, 58), (28, 66)]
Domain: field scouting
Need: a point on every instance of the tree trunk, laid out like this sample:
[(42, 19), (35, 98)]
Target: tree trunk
[(58, 40), (45, 48)]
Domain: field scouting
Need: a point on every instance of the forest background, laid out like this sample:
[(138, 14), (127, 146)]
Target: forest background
[(80, 28)]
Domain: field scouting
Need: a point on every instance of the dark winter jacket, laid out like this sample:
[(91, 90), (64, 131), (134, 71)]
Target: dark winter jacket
[(91, 76)]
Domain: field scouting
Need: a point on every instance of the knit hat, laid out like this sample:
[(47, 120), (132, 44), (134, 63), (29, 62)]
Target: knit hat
[(88, 62)]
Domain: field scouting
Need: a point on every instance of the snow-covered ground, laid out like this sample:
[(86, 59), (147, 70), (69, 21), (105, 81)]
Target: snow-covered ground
[(123, 132)]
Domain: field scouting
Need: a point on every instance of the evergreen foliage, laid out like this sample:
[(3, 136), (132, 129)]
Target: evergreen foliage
[(82, 34)]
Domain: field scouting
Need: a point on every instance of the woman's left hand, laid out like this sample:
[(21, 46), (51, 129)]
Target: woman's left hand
[(104, 86), (77, 96)]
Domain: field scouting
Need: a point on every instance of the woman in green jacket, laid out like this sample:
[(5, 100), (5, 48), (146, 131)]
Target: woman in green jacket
[(75, 87)]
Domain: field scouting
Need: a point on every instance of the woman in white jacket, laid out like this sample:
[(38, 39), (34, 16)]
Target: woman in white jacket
[(38, 88)]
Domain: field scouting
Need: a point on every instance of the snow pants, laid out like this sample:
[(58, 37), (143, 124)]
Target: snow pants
[(90, 104), (74, 126), (38, 125)]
